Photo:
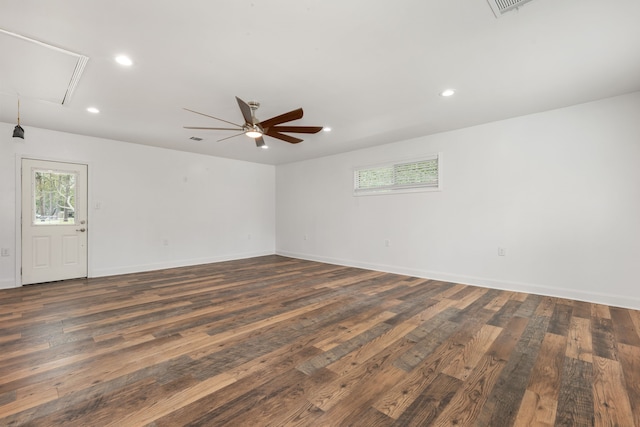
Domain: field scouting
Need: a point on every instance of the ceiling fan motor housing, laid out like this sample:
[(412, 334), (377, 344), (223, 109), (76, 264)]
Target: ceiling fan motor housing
[(254, 106)]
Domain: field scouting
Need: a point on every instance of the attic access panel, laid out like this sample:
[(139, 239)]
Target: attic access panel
[(34, 69)]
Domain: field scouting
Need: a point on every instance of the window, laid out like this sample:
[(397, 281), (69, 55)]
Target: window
[(415, 175), (54, 197)]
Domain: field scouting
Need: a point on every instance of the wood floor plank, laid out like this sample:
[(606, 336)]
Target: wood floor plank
[(540, 401), (546, 306), (267, 402), (25, 369), (469, 356), (635, 318), (466, 403), (431, 402), (349, 331), (8, 338), (376, 375), (603, 338), (450, 291), (611, 401), (358, 356), (560, 320), (498, 302), (504, 401), (575, 401), (438, 333), (328, 357), (20, 349), (623, 327), (470, 298), (630, 362), (172, 402), (504, 315), (277, 341), (579, 345), (529, 306), (600, 311), (350, 376), (248, 376), (582, 309), (29, 397), (520, 296)]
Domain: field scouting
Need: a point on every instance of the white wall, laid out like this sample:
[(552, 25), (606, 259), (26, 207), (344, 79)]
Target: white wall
[(560, 190), (206, 208)]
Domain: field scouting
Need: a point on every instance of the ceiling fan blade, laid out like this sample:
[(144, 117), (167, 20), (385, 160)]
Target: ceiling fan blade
[(201, 128), (232, 136), (206, 115), (260, 142), (290, 139), (297, 129), (246, 111), (282, 118)]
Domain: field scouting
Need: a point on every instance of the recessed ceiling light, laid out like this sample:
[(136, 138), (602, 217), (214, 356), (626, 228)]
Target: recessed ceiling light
[(93, 110), (264, 147), (447, 92), (124, 60), (326, 129)]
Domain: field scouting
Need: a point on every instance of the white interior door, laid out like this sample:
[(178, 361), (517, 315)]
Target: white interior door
[(54, 221)]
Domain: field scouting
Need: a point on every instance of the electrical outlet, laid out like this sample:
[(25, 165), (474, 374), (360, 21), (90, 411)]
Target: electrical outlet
[(5, 251), (387, 242), (502, 251), (306, 237), (165, 242)]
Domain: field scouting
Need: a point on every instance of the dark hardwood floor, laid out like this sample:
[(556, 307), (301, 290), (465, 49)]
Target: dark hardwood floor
[(282, 342)]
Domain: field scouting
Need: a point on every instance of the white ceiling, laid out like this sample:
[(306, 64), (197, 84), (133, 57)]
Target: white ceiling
[(370, 70)]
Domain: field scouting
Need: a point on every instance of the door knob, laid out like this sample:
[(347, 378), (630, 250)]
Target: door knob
[(82, 229)]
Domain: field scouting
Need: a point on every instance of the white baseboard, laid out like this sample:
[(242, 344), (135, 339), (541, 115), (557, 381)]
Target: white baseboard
[(592, 297), (173, 264)]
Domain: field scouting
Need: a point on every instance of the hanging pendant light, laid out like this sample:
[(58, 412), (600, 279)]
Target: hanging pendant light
[(18, 132)]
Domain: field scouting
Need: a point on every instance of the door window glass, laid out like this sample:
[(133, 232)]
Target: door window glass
[(54, 197)]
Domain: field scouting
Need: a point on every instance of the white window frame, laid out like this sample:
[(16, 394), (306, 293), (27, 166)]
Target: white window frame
[(398, 189)]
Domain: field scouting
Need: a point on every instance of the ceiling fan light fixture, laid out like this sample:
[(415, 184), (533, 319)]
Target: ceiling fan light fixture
[(253, 133)]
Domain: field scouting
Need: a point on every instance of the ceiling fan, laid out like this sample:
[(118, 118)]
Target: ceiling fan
[(256, 129)]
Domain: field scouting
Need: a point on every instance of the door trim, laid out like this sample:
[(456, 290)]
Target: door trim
[(18, 209)]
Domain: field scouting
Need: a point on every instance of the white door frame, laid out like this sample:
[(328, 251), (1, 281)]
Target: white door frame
[(18, 210)]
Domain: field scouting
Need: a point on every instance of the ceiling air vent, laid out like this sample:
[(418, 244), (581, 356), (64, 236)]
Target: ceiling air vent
[(500, 7), (195, 138)]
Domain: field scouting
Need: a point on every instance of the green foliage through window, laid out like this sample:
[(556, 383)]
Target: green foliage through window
[(54, 197)]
